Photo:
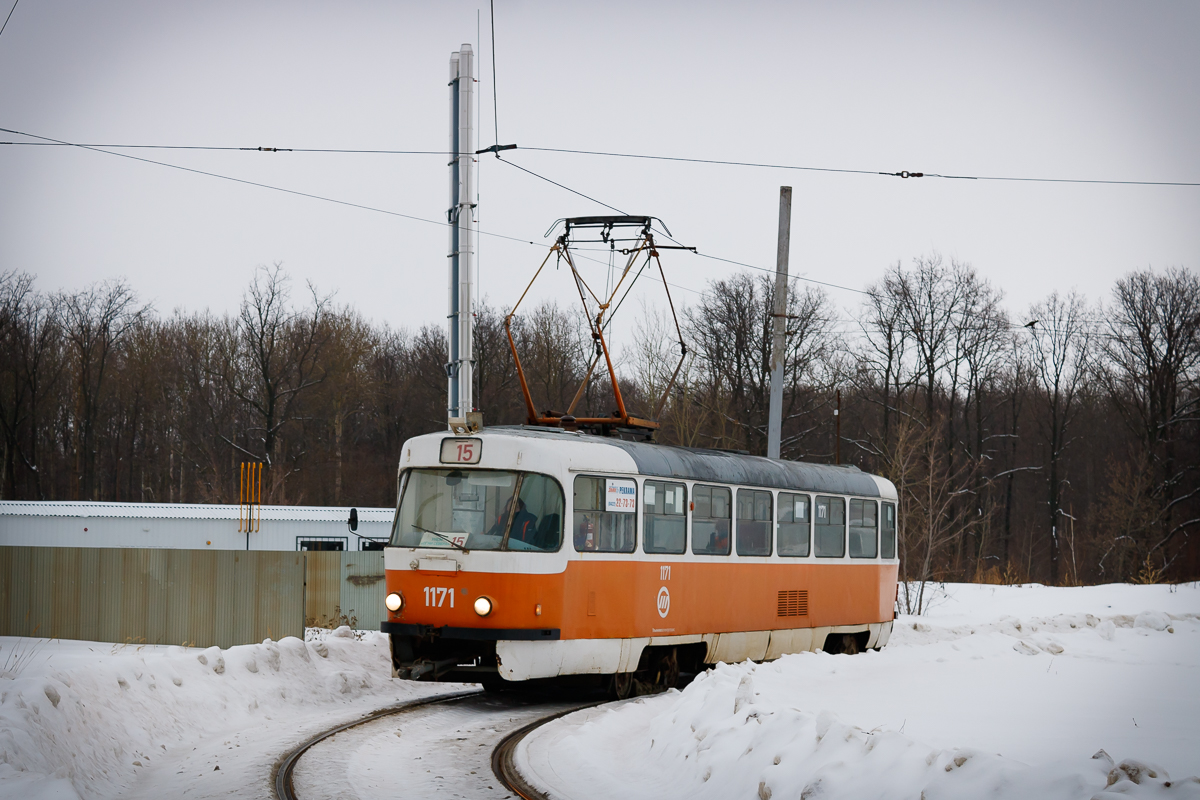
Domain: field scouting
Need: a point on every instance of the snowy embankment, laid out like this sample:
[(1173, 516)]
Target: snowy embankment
[(94, 720), (998, 692)]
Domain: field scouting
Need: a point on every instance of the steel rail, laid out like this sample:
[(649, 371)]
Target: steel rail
[(281, 779), (503, 766), (502, 756)]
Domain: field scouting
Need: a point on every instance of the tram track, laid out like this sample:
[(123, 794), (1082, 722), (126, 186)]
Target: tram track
[(503, 754), (475, 704)]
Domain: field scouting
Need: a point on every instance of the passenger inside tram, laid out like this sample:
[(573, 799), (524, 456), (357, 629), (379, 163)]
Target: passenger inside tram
[(710, 520)]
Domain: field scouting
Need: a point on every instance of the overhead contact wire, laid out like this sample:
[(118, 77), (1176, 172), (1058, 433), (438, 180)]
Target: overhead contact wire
[(10, 13), (905, 174), (900, 174), (296, 192), (668, 236)]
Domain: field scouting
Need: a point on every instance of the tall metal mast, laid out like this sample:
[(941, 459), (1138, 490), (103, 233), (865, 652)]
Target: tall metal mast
[(460, 366), (778, 349)]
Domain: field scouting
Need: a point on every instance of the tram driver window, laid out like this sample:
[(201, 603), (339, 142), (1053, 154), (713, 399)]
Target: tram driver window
[(887, 532), (795, 519), (664, 517), (753, 523), (537, 522), (863, 524), (605, 515), (710, 520), (830, 527)]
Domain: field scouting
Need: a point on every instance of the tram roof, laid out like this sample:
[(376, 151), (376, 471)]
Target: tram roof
[(720, 466)]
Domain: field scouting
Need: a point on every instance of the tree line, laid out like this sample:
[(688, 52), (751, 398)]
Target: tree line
[(1059, 444)]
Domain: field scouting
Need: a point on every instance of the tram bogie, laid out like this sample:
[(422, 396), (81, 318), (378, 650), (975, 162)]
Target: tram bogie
[(520, 554)]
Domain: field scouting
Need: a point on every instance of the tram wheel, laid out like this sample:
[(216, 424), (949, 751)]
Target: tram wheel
[(622, 685), (666, 671), (493, 683)]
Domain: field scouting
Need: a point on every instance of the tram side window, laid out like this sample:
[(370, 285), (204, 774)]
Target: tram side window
[(605, 515), (710, 520), (537, 523), (888, 532), (831, 527), (795, 520), (664, 517), (863, 524), (753, 523)]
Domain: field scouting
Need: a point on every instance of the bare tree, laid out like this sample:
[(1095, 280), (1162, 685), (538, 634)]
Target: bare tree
[(555, 349), (882, 361), (732, 329), (1153, 379), (1059, 351), (275, 362), (981, 348), (932, 300), (946, 400), (346, 384), (31, 341), (497, 390), (96, 321)]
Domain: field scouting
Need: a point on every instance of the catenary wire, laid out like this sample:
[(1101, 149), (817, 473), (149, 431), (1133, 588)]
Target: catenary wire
[(98, 149), (10, 13), (271, 187), (668, 236), (346, 150), (905, 174), (901, 174), (312, 196)]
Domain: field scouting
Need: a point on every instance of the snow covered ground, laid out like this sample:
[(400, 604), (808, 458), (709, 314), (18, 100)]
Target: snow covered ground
[(92, 720), (998, 692)]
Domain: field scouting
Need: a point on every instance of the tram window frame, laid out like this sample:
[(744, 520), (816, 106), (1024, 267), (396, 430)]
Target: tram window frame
[(404, 483), (579, 539), (858, 514), (820, 542), (753, 504), (551, 482), (654, 495), (887, 530), (702, 494), (786, 515)]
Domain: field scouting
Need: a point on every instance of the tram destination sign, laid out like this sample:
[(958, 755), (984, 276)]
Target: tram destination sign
[(461, 451)]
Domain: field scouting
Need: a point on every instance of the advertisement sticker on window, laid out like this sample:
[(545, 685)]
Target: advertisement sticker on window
[(620, 495)]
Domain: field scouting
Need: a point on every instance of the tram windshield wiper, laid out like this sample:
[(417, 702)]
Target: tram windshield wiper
[(442, 536)]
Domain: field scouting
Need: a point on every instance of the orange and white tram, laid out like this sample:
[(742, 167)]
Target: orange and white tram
[(627, 559)]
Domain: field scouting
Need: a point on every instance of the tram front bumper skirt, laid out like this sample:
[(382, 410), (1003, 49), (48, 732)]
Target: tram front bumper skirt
[(483, 634)]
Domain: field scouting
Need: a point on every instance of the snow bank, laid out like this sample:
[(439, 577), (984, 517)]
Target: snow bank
[(1053, 679), (87, 719)]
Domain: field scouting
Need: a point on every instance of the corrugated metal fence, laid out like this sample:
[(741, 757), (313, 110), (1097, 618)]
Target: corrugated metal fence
[(344, 589), (195, 597)]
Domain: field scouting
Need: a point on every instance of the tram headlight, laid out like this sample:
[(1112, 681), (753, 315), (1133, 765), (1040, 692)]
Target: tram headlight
[(394, 602), (483, 606)]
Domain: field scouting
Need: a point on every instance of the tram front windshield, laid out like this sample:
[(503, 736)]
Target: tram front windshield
[(456, 509)]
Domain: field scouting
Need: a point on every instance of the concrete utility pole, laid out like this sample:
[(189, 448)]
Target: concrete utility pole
[(775, 416), (460, 367)]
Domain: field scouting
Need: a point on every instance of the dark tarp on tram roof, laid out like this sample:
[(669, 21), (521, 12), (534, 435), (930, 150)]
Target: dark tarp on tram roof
[(668, 461)]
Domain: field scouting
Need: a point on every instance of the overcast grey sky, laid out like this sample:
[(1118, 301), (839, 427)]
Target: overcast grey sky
[(1072, 90)]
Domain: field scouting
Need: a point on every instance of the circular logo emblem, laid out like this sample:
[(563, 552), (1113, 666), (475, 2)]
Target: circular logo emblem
[(664, 602)]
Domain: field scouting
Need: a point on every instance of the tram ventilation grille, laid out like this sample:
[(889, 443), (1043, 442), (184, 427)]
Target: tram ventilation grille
[(793, 603)]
